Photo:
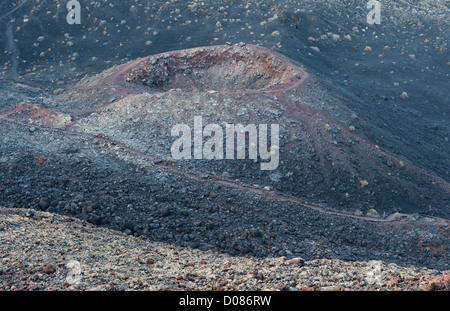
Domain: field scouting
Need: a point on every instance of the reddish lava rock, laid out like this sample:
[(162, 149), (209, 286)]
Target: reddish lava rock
[(47, 268), (439, 283)]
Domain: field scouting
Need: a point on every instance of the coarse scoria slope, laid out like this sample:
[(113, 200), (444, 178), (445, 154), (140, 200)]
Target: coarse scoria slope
[(110, 260)]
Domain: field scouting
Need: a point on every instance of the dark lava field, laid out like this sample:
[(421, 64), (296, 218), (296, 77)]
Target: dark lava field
[(86, 112)]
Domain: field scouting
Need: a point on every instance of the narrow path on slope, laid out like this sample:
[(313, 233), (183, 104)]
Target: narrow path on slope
[(109, 143)]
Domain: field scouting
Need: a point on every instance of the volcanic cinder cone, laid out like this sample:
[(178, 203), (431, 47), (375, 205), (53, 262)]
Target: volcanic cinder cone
[(323, 157)]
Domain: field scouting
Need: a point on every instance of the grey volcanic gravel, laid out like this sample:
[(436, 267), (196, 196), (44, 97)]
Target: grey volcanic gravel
[(111, 260)]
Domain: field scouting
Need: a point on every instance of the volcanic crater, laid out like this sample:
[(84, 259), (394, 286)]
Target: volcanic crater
[(207, 69)]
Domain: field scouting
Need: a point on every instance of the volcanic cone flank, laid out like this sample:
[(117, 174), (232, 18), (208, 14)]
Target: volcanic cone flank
[(322, 156)]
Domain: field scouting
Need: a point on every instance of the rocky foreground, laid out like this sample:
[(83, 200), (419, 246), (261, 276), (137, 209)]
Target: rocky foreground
[(36, 248)]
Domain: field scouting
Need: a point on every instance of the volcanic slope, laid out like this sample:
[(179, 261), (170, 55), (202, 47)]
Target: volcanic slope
[(49, 162), (323, 157)]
